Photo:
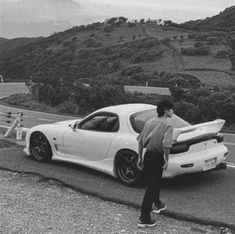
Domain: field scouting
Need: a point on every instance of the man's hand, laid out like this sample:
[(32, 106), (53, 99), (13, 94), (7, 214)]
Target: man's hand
[(140, 164), (165, 166), (166, 157)]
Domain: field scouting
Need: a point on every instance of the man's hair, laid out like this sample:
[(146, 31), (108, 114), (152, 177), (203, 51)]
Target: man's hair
[(162, 106)]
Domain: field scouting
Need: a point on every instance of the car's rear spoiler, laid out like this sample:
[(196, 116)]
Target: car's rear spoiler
[(198, 130)]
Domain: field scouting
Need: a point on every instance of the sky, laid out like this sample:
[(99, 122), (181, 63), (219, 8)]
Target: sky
[(31, 18)]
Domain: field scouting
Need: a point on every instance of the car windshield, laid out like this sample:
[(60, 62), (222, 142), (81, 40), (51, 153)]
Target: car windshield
[(139, 119)]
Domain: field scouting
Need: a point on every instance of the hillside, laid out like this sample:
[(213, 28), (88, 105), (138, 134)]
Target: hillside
[(107, 49), (2, 40), (7, 45), (225, 20)]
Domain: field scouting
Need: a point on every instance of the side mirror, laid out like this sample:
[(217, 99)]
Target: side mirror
[(73, 126)]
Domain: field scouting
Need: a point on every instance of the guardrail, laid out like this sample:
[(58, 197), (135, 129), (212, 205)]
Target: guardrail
[(15, 119)]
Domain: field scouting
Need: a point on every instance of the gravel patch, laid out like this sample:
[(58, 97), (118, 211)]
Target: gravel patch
[(31, 204)]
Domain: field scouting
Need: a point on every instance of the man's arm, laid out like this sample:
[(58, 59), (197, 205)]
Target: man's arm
[(140, 163), (140, 149), (167, 144), (166, 152)]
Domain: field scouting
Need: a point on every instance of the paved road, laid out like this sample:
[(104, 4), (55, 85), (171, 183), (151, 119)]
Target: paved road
[(33, 118), (208, 197), (203, 196), (7, 89)]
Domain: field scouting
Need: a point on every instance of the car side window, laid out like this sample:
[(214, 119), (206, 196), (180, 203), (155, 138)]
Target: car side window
[(101, 123)]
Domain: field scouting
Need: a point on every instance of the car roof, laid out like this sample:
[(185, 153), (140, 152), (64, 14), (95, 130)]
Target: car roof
[(127, 108)]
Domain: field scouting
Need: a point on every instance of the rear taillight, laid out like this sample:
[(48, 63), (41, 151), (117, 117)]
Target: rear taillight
[(179, 148), (219, 137)]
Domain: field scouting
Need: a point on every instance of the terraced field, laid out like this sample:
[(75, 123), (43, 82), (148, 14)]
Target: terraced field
[(214, 78)]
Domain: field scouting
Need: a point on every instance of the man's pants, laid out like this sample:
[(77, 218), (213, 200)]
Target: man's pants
[(153, 163)]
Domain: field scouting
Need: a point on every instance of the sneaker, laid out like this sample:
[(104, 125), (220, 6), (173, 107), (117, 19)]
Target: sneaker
[(150, 223), (158, 207)]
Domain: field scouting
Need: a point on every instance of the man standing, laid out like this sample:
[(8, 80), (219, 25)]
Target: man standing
[(156, 137)]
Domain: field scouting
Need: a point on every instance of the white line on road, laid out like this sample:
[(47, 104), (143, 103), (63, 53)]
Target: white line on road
[(71, 117), (49, 120), (7, 127), (232, 166), (229, 143), (229, 134)]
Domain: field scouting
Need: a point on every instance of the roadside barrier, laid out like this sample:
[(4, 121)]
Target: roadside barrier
[(15, 119)]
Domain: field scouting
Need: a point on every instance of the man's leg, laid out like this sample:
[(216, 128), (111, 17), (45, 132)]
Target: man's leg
[(158, 174), (158, 205), (152, 186), (149, 197)]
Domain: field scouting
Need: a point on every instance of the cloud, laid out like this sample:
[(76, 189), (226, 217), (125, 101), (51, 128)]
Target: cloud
[(60, 14)]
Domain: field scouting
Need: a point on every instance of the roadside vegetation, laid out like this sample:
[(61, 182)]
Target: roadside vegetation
[(86, 67), (193, 101)]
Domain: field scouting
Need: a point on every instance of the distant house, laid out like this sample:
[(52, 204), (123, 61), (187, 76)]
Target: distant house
[(147, 90)]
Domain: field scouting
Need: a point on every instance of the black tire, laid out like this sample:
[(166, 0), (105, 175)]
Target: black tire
[(126, 168), (40, 147)]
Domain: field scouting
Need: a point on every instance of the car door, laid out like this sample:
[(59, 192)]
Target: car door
[(91, 138)]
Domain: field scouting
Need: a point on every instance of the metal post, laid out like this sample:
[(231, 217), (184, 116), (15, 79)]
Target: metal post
[(12, 128)]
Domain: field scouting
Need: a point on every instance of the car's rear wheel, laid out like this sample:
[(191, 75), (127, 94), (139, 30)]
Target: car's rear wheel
[(126, 167), (40, 147)]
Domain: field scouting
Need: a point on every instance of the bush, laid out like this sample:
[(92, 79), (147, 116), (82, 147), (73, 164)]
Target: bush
[(191, 51), (132, 70), (166, 40), (222, 54), (198, 44), (187, 111), (108, 29), (201, 37), (92, 43), (142, 56), (192, 35), (204, 50), (131, 25), (148, 43), (17, 99), (68, 107), (213, 40)]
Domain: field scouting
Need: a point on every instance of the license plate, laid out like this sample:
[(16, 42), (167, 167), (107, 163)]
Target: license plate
[(209, 164)]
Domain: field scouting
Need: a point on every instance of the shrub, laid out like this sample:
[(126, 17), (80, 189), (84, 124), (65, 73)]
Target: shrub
[(201, 37), (213, 40), (148, 43), (187, 111), (198, 44), (204, 50), (132, 70), (142, 56), (68, 107), (131, 25), (92, 43), (108, 29), (222, 54), (191, 51), (18, 98), (166, 40)]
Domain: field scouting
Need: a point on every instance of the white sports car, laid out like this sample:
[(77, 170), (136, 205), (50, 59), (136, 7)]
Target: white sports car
[(106, 141)]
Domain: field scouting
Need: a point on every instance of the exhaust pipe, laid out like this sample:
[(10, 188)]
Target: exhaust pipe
[(221, 166)]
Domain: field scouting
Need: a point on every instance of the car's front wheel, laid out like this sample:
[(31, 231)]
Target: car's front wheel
[(126, 168), (40, 147)]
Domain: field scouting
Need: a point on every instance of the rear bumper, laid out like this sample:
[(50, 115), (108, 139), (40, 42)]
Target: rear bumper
[(195, 161)]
